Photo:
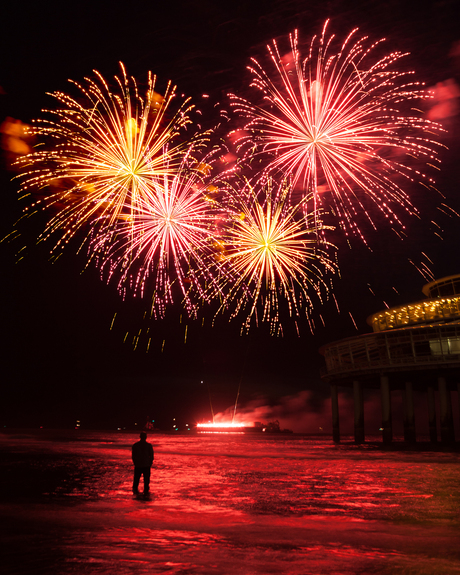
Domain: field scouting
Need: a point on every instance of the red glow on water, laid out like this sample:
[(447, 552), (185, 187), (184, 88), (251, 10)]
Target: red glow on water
[(237, 504)]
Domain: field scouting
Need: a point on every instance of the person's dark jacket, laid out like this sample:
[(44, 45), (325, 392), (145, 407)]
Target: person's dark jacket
[(142, 453)]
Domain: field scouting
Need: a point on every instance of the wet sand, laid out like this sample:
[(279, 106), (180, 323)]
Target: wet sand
[(226, 504)]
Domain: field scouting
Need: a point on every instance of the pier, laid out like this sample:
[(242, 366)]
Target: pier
[(413, 347)]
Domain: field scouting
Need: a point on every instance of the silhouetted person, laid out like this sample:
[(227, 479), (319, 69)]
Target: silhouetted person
[(142, 453)]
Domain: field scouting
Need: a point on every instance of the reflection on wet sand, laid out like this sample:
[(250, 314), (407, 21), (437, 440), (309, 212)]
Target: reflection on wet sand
[(226, 505)]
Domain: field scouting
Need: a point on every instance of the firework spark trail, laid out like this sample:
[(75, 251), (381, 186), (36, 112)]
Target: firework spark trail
[(270, 249), (102, 154), (168, 240), (345, 129)]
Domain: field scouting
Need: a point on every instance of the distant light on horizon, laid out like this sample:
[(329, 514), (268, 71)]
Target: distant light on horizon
[(223, 425)]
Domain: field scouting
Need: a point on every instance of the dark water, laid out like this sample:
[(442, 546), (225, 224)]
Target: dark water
[(221, 504)]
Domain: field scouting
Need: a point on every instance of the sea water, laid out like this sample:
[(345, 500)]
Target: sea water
[(225, 504)]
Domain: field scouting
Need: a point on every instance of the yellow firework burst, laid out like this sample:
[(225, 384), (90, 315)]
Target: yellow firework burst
[(271, 248), (100, 151)]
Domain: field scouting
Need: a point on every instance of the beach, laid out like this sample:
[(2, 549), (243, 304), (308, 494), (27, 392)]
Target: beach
[(226, 503)]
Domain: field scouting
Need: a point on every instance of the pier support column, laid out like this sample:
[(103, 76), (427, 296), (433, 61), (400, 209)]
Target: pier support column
[(431, 414), (359, 411), (409, 416), (335, 414), (445, 407), (387, 431)]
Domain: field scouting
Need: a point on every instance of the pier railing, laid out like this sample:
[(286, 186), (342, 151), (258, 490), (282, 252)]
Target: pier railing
[(399, 349)]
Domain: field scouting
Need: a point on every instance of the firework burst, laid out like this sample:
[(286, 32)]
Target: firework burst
[(343, 125), (102, 151), (167, 241), (269, 249)]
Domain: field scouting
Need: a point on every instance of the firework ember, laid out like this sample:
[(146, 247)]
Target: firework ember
[(343, 124)]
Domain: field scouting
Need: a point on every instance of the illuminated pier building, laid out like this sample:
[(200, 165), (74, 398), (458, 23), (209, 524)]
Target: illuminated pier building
[(413, 347)]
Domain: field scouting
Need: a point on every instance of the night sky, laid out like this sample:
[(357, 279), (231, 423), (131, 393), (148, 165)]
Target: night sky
[(60, 360)]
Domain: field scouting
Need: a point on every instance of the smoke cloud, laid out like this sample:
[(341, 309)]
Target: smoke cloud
[(308, 412)]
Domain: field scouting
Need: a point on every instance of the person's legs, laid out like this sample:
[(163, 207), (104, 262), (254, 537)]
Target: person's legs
[(137, 475), (146, 479)]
